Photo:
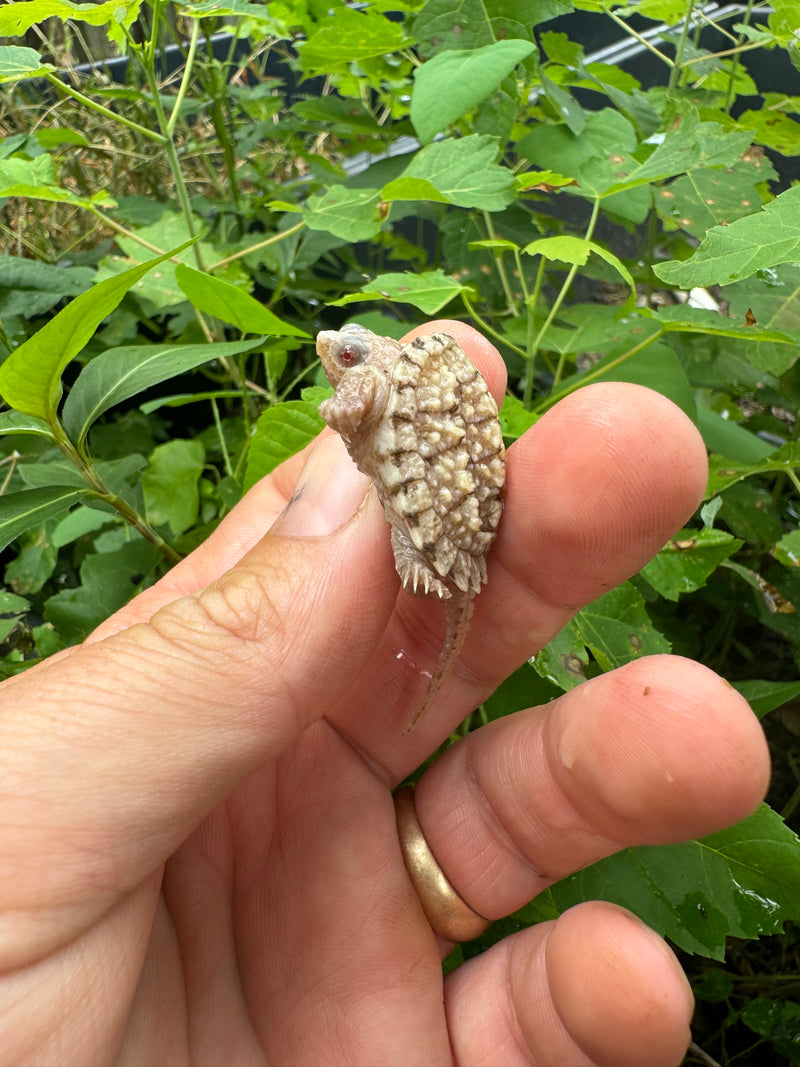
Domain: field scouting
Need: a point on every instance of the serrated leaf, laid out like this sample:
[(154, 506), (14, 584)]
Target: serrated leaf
[(687, 560), (617, 629), (446, 24), (231, 304), (121, 373), (281, 431), (350, 36), (741, 882), (170, 484), (707, 198), (464, 171), (451, 83), (30, 507), (690, 145), (18, 17), (773, 298), (35, 179), (351, 214), (430, 291), (760, 241), (17, 62), (773, 129), (576, 250), (30, 379)]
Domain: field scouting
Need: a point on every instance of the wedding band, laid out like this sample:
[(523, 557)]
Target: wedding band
[(450, 917)]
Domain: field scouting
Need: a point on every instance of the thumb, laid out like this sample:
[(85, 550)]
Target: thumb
[(119, 749)]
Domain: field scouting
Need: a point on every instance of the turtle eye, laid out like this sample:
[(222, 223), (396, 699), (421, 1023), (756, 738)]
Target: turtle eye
[(350, 355)]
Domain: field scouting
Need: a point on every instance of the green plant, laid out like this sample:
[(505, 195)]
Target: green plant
[(550, 199)]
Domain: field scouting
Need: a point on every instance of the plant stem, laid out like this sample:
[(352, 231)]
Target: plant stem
[(187, 74), (487, 327), (559, 300), (101, 110), (254, 248), (677, 66), (102, 492)]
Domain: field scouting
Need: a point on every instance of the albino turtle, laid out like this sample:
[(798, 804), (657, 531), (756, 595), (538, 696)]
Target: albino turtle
[(420, 421)]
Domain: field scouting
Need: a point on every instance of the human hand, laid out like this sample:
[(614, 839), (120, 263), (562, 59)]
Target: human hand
[(200, 854)]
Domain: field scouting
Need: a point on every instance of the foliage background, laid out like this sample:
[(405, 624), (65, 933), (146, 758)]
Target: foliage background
[(605, 190)]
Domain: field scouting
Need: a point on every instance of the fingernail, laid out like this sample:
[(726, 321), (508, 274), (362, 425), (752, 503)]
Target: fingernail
[(328, 493)]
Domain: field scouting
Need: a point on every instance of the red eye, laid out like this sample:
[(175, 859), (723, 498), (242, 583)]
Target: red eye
[(348, 356)]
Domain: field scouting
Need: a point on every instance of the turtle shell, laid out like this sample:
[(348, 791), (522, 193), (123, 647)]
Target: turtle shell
[(438, 458)]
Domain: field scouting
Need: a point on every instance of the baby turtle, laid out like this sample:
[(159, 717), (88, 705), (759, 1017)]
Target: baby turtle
[(420, 421)]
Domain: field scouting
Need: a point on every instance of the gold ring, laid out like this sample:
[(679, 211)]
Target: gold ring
[(450, 916)]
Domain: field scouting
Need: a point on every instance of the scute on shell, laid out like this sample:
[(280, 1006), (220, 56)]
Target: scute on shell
[(439, 458)]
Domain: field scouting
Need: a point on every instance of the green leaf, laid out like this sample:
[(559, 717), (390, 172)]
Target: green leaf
[(13, 609), (170, 484), (447, 24), (29, 287), (707, 198), (31, 507), (764, 696), (679, 318), (724, 471), (787, 550), (231, 304), (741, 882), (690, 145), (429, 291), (729, 439), (281, 431), (576, 250), (464, 171), (30, 379), (730, 253), (515, 419), (121, 373), (349, 36), (563, 661), (108, 581), (451, 83), (778, 1022), (17, 62), (78, 523), (13, 422), (35, 562), (686, 562), (18, 17), (351, 214), (158, 289), (35, 179), (774, 130), (617, 629), (655, 366), (593, 159), (774, 299)]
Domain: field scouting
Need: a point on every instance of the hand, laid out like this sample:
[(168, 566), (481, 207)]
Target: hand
[(200, 860)]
